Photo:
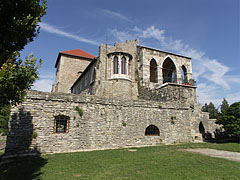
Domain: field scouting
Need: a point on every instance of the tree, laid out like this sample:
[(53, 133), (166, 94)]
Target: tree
[(17, 77), (19, 25), (205, 108), (213, 113), (4, 117), (224, 106), (230, 119)]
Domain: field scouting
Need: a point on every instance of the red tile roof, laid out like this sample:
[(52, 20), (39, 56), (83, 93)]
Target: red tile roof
[(78, 52), (75, 52)]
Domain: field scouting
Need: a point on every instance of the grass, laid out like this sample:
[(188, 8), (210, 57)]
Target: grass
[(152, 163)]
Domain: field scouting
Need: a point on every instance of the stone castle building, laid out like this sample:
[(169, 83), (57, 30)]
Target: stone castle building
[(129, 95)]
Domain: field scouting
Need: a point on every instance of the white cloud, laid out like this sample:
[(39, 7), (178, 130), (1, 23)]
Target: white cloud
[(44, 83), (122, 36), (207, 93), (116, 14), (235, 97), (51, 29)]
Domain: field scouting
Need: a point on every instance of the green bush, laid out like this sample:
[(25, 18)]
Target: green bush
[(34, 135), (79, 110)]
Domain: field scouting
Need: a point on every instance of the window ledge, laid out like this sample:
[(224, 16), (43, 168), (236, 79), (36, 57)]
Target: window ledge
[(122, 78)]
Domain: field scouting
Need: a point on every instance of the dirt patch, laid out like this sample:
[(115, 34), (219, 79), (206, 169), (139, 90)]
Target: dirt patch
[(234, 156), (131, 150)]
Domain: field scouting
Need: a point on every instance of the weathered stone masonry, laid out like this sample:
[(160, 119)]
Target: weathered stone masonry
[(106, 123), (129, 95)]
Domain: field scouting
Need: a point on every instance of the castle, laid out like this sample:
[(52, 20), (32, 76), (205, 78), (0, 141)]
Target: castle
[(129, 95)]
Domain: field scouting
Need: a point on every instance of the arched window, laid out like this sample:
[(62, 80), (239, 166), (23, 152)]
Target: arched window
[(169, 71), (123, 65), (153, 71), (184, 74), (115, 65), (61, 124), (152, 131)]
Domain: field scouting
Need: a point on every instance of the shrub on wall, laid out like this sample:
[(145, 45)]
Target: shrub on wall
[(34, 135), (79, 110)]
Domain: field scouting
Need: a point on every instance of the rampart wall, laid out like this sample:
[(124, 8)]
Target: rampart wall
[(105, 123)]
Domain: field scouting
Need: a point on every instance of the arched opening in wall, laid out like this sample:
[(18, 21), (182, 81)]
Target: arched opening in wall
[(61, 124), (169, 71), (184, 75), (123, 65), (115, 65), (153, 71), (202, 129), (152, 131)]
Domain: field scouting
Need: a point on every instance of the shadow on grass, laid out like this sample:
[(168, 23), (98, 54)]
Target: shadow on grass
[(23, 168)]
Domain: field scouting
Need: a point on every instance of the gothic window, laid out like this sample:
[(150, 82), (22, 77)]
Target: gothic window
[(169, 71), (123, 65), (152, 131), (184, 74), (61, 123), (153, 71), (115, 65)]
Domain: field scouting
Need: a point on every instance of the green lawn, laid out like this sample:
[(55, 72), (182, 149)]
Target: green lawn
[(148, 163)]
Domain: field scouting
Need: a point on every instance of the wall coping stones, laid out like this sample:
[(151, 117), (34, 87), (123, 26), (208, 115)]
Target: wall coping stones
[(92, 99)]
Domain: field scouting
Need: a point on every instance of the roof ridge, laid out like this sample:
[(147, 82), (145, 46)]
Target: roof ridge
[(78, 52)]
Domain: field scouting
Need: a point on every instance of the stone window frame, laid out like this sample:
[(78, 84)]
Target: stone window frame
[(114, 64), (152, 130), (123, 65), (184, 76), (172, 70), (62, 120)]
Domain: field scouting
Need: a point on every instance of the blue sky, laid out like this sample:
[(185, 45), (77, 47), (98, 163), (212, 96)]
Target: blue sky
[(206, 30)]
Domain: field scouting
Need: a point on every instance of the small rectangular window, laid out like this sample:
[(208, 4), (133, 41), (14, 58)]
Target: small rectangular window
[(61, 124)]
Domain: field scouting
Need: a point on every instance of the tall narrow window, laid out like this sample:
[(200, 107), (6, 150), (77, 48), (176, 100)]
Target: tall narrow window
[(153, 71), (61, 124), (123, 65), (184, 74), (115, 65)]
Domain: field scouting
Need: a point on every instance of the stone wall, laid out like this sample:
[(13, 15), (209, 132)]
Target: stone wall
[(169, 92), (69, 69), (106, 123), (85, 83)]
